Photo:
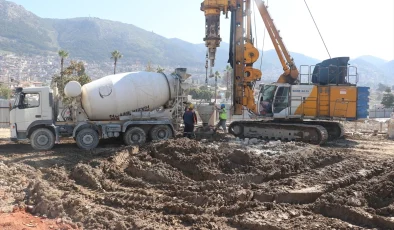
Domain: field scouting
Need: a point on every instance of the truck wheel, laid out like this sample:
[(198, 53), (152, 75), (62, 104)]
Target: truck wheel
[(161, 132), (134, 136), (87, 139), (42, 139)]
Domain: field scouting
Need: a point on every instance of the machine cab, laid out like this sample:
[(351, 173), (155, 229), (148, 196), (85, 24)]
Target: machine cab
[(273, 100), (32, 107)]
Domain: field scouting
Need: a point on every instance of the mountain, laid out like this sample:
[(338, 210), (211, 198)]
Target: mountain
[(23, 32), (388, 70), (369, 74), (373, 60), (89, 39), (92, 40)]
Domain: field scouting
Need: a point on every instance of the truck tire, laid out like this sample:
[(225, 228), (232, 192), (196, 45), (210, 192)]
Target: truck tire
[(134, 136), (161, 132), (42, 139), (87, 139)]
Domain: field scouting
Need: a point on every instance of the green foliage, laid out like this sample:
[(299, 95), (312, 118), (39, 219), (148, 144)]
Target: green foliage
[(159, 69), (74, 72), (217, 74), (75, 68), (388, 100), (201, 94), (5, 91), (63, 54), (149, 68), (382, 87), (116, 55)]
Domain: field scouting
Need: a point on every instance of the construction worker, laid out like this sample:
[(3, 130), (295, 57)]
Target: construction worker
[(189, 119), (222, 118)]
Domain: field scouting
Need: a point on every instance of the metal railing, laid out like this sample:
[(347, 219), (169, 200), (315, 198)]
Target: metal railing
[(306, 75)]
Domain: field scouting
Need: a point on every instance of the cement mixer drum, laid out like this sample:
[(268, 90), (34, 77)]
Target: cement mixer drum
[(116, 95)]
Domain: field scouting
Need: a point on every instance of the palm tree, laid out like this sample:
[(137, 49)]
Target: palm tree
[(116, 55), (62, 54), (217, 75), (228, 71)]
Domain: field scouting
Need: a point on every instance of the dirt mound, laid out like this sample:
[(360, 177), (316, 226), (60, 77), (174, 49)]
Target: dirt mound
[(186, 184), (224, 163), (13, 181)]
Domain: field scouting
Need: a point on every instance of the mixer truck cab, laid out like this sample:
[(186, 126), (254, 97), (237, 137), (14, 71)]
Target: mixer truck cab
[(31, 116), (136, 106)]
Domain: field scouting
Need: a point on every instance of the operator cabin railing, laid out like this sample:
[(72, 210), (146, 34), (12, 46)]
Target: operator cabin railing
[(336, 75)]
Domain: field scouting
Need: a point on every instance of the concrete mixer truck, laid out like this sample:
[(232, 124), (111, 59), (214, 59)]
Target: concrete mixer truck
[(136, 106)]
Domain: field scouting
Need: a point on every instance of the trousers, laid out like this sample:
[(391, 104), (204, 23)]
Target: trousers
[(222, 123), (188, 130)]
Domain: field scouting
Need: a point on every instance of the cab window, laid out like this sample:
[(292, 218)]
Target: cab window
[(29, 100), (281, 99)]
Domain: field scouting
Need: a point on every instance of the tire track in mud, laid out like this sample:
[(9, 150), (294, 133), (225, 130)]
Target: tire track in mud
[(187, 184), (367, 203)]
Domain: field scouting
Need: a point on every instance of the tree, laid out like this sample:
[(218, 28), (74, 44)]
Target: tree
[(382, 87), (5, 91), (116, 55), (217, 75), (228, 78), (159, 69), (74, 72), (388, 99), (75, 68), (202, 93), (149, 68), (63, 54)]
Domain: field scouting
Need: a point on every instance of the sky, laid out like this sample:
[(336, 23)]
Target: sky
[(349, 27)]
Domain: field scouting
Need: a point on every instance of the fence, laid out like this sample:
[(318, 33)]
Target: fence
[(380, 112), (4, 113)]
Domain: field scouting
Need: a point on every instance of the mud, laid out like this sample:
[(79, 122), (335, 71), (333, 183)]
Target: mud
[(186, 184)]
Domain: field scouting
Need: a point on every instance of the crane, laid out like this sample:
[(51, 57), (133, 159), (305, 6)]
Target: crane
[(288, 109)]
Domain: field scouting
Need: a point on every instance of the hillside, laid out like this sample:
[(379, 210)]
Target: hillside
[(373, 60), (388, 70), (92, 40), (22, 32)]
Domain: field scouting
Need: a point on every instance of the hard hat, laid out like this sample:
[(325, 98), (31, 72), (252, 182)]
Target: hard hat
[(222, 106), (191, 106)]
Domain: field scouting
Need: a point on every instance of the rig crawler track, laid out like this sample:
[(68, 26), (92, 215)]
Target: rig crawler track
[(314, 132)]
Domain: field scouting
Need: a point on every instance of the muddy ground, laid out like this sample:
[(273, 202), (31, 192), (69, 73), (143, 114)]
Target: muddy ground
[(184, 184)]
